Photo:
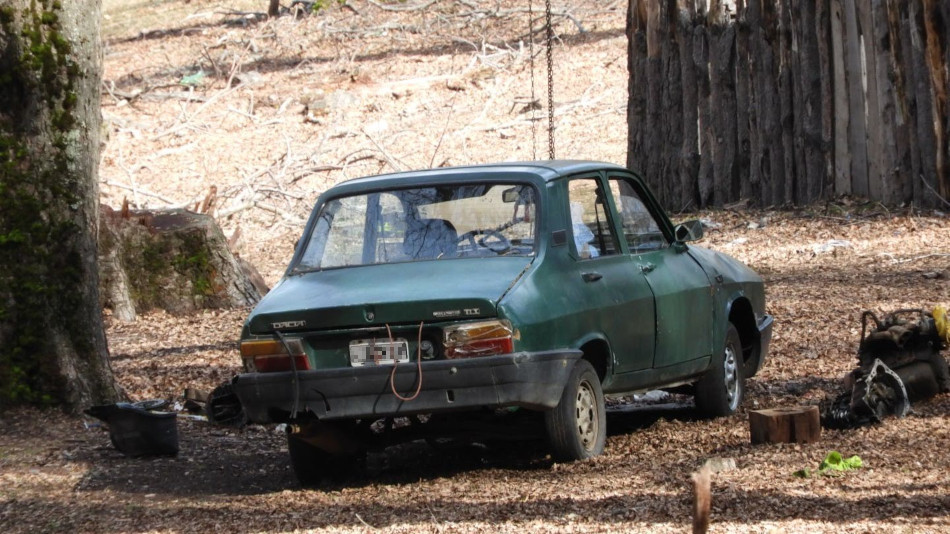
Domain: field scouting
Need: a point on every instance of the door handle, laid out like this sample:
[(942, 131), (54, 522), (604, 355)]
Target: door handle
[(591, 276), (647, 267)]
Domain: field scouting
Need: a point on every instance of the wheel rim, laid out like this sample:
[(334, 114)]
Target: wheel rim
[(586, 415), (731, 376)]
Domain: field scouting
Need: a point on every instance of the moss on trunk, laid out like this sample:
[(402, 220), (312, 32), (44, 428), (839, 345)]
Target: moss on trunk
[(52, 345)]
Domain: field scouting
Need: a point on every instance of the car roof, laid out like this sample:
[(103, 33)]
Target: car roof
[(546, 170)]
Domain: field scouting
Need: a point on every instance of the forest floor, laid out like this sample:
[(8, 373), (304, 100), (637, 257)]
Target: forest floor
[(272, 112)]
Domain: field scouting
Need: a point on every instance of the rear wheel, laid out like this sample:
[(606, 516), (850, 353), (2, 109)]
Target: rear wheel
[(719, 392), (577, 426), (312, 464)]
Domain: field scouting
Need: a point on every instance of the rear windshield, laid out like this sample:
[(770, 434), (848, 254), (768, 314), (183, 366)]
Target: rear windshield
[(428, 223)]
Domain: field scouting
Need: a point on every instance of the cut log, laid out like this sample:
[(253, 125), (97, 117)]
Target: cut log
[(785, 425), (174, 260)]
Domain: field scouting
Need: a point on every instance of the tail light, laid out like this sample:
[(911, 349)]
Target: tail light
[(270, 356), (484, 338)]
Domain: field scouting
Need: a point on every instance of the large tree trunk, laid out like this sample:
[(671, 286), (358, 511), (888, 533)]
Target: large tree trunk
[(52, 344)]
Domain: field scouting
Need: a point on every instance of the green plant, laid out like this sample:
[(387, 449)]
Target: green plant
[(833, 464)]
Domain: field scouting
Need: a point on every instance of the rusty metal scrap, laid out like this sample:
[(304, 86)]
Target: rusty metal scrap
[(899, 362)]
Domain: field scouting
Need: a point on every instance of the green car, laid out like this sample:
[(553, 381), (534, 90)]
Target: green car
[(416, 303)]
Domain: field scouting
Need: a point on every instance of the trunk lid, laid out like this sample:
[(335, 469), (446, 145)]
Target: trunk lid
[(374, 295)]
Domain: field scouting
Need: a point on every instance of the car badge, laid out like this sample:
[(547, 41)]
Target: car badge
[(288, 324)]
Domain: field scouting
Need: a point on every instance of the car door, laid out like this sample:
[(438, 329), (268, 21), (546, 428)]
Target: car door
[(616, 299), (681, 289)]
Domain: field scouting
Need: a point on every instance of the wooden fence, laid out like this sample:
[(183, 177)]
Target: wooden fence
[(790, 101)]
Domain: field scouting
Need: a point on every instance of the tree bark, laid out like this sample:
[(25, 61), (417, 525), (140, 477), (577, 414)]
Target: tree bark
[(857, 133), (52, 343), (786, 82), (689, 149), (938, 56), (745, 110), (175, 260), (924, 107), (722, 40), (841, 108), (823, 21)]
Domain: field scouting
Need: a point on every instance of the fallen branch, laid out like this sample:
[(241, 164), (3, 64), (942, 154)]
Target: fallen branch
[(365, 523), (445, 128), (387, 7), (915, 258), (320, 168), (279, 192), (503, 13), (934, 191), (248, 205), (184, 123), (389, 159), (408, 28), (139, 190)]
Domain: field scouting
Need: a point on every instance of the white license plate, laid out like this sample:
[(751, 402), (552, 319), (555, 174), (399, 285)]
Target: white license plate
[(378, 352)]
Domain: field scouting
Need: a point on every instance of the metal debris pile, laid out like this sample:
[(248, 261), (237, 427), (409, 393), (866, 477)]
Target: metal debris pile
[(899, 363)]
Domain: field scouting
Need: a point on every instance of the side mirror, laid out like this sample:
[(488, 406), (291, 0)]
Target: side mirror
[(689, 231)]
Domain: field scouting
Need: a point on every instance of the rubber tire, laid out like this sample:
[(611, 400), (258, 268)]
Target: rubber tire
[(312, 465), (568, 440), (719, 392)]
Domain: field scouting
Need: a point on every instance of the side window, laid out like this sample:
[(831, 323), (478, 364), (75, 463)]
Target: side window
[(590, 222), (640, 228), (338, 235)]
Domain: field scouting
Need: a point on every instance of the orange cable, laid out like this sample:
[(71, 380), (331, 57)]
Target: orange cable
[(392, 375)]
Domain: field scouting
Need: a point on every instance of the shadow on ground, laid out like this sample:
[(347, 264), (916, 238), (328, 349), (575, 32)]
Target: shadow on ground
[(217, 461)]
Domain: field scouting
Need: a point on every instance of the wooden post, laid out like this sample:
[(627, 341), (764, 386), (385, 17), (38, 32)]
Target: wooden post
[(702, 500), (785, 425)]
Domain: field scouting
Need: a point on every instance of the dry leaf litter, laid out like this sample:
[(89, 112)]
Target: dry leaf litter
[(272, 112)]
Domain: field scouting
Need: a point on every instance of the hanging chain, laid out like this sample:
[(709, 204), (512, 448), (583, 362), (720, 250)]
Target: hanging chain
[(550, 39), (533, 106)]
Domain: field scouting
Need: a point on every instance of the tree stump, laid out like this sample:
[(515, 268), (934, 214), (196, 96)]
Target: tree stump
[(174, 260), (785, 425)]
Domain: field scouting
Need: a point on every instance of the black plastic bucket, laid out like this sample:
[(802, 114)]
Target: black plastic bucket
[(136, 431)]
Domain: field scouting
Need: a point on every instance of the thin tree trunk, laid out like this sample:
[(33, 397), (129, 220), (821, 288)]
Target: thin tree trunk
[(745, 110), (938, 57), (689, 149), (52, 344), (786, 82), (857, 133), (823, 21), (673, 111), (722, 103), (842, 151), (886, 74), (707, 136), (636, 87), (924, 107), (813, 170), (873, 105)]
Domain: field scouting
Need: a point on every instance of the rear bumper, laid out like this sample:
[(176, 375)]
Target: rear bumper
[(529, 379)]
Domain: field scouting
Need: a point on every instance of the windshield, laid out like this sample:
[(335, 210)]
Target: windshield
[(428, 223)]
